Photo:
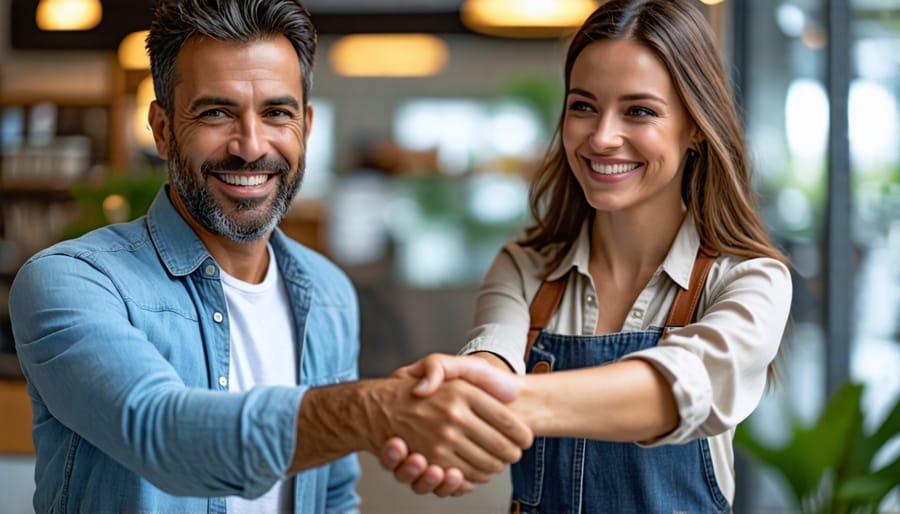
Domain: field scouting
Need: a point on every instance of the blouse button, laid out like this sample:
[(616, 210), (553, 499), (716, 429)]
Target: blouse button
[(210, 270), (217, 317), (590, 299), (637, 313), (223, 381)]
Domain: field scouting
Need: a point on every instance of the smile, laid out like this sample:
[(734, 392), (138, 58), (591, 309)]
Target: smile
[(613, 169), (244, 180)]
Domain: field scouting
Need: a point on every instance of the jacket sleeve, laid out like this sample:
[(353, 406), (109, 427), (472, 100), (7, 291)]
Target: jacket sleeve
[(343, 474), (94, 373)]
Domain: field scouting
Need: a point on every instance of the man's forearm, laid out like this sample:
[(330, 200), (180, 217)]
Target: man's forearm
[(459, 425), (337, 420)]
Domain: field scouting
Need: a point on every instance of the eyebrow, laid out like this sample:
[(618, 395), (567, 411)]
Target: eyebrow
[(630, 97), (207, 101), (287, 100)]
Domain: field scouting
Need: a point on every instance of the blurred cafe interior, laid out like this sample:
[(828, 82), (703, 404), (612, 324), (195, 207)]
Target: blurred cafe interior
[(429, 123)]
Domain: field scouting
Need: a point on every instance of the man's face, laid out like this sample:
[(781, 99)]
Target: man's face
[(236, 140)]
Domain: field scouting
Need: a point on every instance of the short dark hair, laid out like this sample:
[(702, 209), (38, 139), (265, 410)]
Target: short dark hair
[(175, 21)]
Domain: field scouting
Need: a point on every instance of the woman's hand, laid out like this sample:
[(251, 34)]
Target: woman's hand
[(485, 371)]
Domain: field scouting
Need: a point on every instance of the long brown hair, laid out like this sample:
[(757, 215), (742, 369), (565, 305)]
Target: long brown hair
[(717, 185)]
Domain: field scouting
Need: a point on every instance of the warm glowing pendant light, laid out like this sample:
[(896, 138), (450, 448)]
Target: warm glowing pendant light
[(132, 51), (68, 14), (388, 55), (145, 95), (526, 18)]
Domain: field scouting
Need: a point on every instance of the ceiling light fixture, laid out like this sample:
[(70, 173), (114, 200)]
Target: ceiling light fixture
[(68, 14), (132, 51), (388, 55), (140, 126), (526, 18)]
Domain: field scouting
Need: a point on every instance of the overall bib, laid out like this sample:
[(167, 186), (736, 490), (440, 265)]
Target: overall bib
[(566, 475)]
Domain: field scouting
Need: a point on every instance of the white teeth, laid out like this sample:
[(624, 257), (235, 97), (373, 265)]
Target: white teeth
[(244, 180), (612, 169)]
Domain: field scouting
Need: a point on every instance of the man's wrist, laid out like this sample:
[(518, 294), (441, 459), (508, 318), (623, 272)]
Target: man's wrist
[(344, 418)]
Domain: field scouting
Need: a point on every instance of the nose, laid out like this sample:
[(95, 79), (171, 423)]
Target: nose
[(249, 140), (607, 133)]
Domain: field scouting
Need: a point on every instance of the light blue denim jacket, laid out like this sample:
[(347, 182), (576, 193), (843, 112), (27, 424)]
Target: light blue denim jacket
[(123, 337)]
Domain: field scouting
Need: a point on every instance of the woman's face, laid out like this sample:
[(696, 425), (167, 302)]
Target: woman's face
[(625, 130)]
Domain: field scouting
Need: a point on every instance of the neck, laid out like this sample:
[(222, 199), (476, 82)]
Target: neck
[(629, 247), (247, 261)]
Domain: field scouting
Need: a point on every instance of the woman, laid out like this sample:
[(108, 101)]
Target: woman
[(645, 197)]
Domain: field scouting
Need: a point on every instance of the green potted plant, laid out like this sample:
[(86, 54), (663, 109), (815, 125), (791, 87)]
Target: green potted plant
[(828, 466)]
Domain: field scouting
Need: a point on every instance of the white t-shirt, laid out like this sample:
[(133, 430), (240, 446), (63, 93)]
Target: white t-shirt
[(263, 351)]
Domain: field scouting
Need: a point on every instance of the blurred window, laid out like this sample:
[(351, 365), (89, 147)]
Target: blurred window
[(786, 106)]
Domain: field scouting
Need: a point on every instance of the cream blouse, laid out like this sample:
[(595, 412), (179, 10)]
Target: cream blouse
[(717, 365)]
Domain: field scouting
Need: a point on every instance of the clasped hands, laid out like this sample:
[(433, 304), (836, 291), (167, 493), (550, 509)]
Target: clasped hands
[(474, 434)]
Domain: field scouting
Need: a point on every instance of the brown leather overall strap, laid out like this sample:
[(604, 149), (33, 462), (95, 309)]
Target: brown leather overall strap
[(550, 294), (542, 308), (686, 301)]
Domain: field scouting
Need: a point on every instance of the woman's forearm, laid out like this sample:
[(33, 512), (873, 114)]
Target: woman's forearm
[(623, 401)]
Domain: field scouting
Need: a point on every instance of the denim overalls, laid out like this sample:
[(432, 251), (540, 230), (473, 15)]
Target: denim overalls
[(565, 475)]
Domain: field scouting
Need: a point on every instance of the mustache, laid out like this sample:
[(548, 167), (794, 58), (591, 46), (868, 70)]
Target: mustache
[(279, 166)]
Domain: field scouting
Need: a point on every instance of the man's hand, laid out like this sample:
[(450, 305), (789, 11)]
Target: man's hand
[(486, 371), (421, 476), (458, 426)]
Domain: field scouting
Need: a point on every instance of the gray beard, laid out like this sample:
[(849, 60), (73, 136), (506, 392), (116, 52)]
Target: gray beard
[(203, 208)]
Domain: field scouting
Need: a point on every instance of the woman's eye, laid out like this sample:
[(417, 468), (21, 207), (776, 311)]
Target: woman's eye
[(641, 112), (578, 105)]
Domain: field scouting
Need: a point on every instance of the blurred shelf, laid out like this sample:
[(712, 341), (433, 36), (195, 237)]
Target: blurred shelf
[(35, 191), (9, 367), (15, 430)]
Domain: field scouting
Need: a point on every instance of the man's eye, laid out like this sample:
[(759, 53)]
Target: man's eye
[(212, 113)]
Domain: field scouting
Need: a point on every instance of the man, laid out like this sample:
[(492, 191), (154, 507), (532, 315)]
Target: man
[(197, 360)]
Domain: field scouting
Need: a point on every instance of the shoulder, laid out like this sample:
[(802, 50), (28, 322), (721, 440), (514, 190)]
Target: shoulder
[(525, 259), (763, 274), (111, 238), (732, 264), (119, 242)]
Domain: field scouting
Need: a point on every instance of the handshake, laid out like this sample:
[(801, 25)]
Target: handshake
[(463, 426)]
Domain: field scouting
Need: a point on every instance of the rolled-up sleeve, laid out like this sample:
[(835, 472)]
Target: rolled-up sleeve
[(718, 365), (501, 313)]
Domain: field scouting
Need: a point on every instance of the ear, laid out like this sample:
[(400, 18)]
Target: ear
[(307, 124), (159, 124), (697, 138)]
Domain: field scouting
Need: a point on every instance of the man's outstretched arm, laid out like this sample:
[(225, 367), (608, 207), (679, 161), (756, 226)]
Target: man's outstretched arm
[(458, 426)]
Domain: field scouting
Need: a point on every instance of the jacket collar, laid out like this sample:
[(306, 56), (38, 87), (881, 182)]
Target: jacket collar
[(179, 248)]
